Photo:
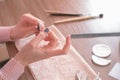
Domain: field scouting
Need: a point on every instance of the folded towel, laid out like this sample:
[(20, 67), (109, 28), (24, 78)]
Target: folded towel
[(63, 67)]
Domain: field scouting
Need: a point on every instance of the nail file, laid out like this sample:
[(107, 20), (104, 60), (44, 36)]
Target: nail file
[(92, 35)]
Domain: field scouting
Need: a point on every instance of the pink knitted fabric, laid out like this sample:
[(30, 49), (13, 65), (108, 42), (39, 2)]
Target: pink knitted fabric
[(11, 71), (5, 34)]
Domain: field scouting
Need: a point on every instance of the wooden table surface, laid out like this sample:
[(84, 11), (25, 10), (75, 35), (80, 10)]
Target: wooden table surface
[(11, 10)]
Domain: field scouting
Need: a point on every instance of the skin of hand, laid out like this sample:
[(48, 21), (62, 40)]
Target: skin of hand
[(26, 26), (31, 52)]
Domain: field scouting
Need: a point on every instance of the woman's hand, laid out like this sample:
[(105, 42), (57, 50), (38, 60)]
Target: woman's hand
[(26, 26), (32, 52)]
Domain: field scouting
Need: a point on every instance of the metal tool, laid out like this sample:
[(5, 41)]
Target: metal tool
[(93, 35)]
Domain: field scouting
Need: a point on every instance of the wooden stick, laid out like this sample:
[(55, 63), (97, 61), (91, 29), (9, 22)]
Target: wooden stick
[(78, 18), (48, 11), (56, 13)]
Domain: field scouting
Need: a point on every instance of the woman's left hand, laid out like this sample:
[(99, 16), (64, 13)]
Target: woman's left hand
[(26, 26)]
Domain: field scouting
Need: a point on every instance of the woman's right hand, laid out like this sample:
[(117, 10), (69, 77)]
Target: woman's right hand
[(32, 52)]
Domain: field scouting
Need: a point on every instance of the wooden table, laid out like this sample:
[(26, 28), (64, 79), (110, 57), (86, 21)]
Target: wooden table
[(11, 10)]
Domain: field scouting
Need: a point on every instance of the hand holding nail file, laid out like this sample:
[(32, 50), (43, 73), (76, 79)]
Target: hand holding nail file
[(92, 35)]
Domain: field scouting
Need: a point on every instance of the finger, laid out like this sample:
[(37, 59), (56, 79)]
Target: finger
[(67, 45), (31, 19), (41, 24), (51, 36), (50, 53), (39, 28), (41, 36), (53, 40)]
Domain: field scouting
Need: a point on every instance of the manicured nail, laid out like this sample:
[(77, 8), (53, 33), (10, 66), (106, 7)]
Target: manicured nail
[(46, 30)]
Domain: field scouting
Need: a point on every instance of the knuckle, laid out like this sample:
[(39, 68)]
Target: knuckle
[(64, 52), (57, 41)]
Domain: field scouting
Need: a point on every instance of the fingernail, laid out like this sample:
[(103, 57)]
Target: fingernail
[(46, 30)]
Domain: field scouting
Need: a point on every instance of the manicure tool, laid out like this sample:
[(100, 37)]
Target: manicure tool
[(38, 28), (92, 35)]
